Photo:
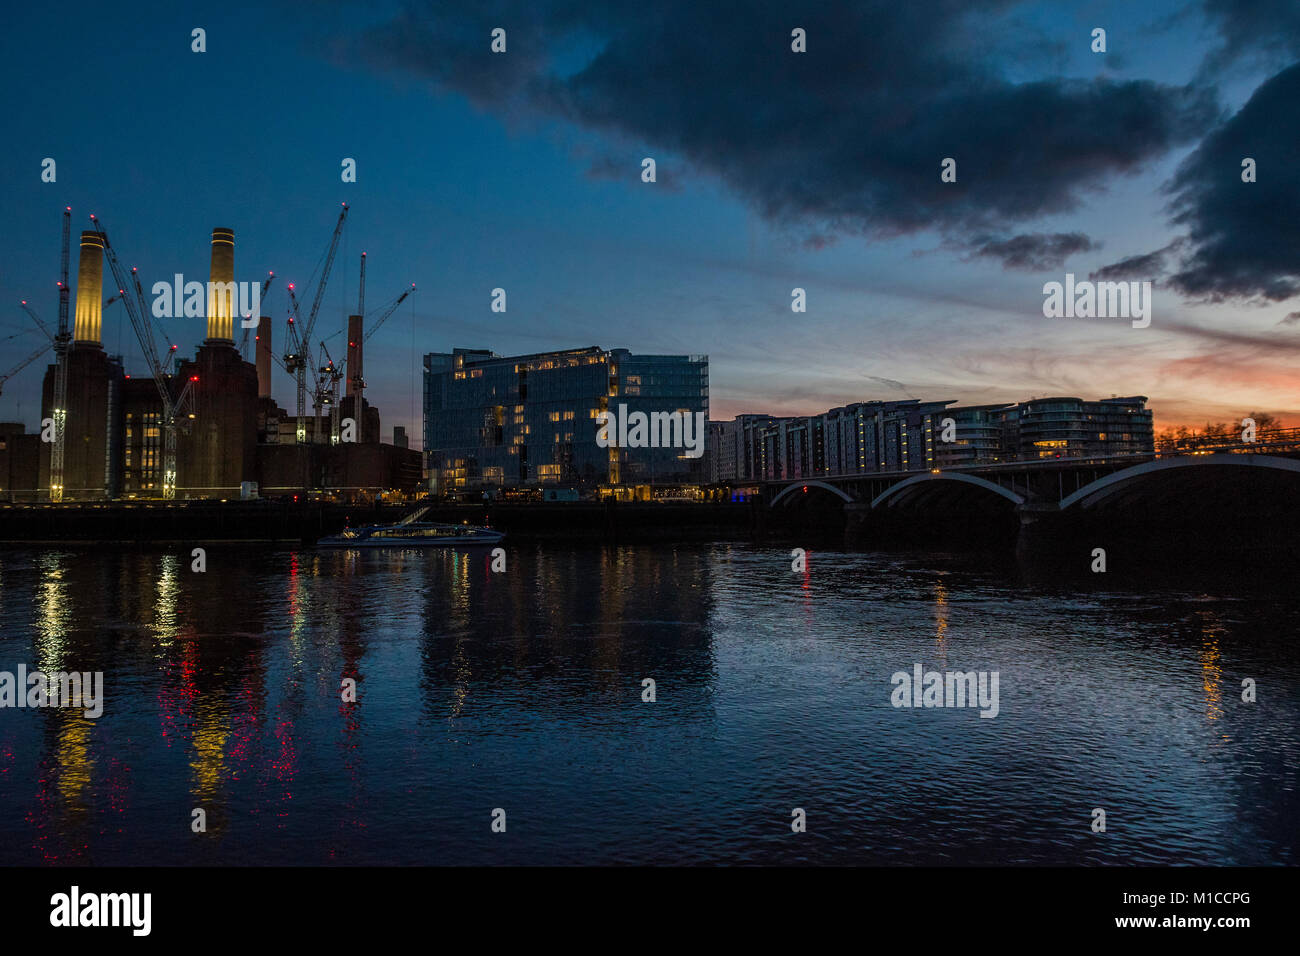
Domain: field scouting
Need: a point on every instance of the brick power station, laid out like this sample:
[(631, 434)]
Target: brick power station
[(231, 431)]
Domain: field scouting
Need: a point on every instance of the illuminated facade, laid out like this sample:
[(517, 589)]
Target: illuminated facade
[(1074, 428), (856, 439), (877, 437), (729, 444), (982, 434), (493, 421)]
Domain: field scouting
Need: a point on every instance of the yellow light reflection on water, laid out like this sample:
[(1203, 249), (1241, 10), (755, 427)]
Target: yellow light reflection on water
[(299, 598), (208, 759), (73, 759), (1212, 671), (940, 611), (55, 614), (166, 621)]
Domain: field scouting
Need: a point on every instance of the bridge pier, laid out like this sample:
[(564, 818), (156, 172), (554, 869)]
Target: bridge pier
[(1040, 518), (1141, 512), (857, 517)]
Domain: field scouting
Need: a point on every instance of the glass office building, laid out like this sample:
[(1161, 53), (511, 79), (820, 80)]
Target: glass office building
[(493, 421)]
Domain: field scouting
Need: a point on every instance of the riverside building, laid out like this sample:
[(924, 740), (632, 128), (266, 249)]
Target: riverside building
[(495, 423), (878, 437)]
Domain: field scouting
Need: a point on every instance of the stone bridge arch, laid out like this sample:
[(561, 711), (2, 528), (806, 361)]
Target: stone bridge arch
[(904, 489), (824, 486)]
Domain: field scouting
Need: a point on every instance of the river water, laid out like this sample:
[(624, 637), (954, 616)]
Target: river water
[(522, 691)]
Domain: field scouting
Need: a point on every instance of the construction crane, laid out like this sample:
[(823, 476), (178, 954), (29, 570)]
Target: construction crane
[(45, 347), (332, 374), (172, 349), (318, 391), (266, 287), (292, 363), (62, 343), (35, 355), (327, 390), (298, 352), (358, 383), (37, 319), (172, 406)]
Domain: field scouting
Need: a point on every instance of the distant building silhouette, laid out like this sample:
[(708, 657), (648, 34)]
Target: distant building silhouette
[(872, 437)]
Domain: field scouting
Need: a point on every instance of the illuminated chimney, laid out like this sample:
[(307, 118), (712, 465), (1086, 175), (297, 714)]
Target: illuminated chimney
[(90, 291), (354, 353), (222, 295), (264, 357)]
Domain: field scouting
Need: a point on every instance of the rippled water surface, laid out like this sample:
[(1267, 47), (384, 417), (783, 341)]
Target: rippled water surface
[(523, 691)]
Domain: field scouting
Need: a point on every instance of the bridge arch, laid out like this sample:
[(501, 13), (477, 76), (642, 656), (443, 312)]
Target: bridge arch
[(1103, 488), (894, 493), (825, 486)]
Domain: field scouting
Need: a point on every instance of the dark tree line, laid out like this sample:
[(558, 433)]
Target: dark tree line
[(1215, 433)]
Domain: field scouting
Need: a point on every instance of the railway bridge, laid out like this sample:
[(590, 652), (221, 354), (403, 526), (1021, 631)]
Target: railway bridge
[(1237, 485)]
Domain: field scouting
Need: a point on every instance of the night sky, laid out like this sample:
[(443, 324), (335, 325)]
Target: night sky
[(775, 170)]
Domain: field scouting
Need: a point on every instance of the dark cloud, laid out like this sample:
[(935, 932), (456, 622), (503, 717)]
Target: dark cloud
[(1253, 32), (1291, 318), (1242, 237), (1264, 344), (1149, 266), (844, 139), (890, 383), (1035, 251)]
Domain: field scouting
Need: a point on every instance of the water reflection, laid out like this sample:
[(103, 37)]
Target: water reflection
[(225, 691), (1211, 671)]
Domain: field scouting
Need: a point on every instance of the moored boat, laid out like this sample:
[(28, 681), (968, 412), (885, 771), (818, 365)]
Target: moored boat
[(410, 532)]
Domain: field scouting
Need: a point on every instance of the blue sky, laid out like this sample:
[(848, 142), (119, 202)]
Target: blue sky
[(465, 184)]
